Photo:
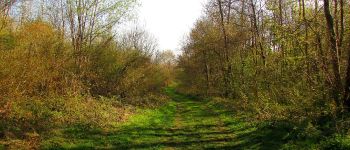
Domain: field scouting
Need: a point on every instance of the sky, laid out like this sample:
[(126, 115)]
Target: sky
[(170, 20)]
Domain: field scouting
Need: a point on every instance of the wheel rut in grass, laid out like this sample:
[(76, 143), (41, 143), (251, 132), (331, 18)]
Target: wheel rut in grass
[(195, 125), (184, 123)]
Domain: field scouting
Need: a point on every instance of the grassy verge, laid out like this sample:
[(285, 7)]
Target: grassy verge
[(119, 137), (276, 134), (193, 123)]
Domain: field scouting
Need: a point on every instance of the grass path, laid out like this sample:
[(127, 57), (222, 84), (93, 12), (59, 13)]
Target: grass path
[(185, 123)]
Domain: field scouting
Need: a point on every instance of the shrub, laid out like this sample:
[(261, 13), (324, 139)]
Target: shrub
[(40, 115)]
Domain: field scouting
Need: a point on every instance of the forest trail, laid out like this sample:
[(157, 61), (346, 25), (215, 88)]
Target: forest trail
[(185, 123)]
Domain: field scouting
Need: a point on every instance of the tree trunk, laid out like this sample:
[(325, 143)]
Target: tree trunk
[(227, 66), (256, 30), (346, 99), (337, 85)]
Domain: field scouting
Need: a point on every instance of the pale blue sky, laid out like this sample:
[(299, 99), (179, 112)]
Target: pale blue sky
[(170, 20)]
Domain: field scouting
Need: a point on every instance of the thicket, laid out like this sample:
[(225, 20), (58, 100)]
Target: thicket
[(51, 78), (278, 60)]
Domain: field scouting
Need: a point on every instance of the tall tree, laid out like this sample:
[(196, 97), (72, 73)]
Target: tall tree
[(337, 85)]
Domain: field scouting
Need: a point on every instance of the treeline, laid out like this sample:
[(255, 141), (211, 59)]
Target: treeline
[(281, 59), (61, 64)]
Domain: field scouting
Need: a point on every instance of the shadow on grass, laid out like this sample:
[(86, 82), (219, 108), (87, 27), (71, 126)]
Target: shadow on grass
[(189, 124), (197, 136)]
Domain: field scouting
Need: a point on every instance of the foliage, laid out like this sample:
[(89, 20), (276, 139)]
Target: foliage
[(46, 83), (281, 61)]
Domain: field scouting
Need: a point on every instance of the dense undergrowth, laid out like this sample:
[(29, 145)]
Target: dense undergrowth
[(320, 133), (281, 67), (46, 84)]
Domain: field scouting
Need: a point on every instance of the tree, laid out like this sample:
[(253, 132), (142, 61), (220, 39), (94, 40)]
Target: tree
[(5, 6), (337, 85)]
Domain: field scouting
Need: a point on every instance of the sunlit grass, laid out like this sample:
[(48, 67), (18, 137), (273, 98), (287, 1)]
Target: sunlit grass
[(185, 123)]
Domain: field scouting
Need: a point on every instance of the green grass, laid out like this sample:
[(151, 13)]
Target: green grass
[(186, 123)]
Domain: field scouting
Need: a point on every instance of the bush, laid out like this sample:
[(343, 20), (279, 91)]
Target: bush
[(40, 115), (150, 100), (89, 112), (46, 84)]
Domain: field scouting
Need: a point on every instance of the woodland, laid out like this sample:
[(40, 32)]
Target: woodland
[(253, 74)]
